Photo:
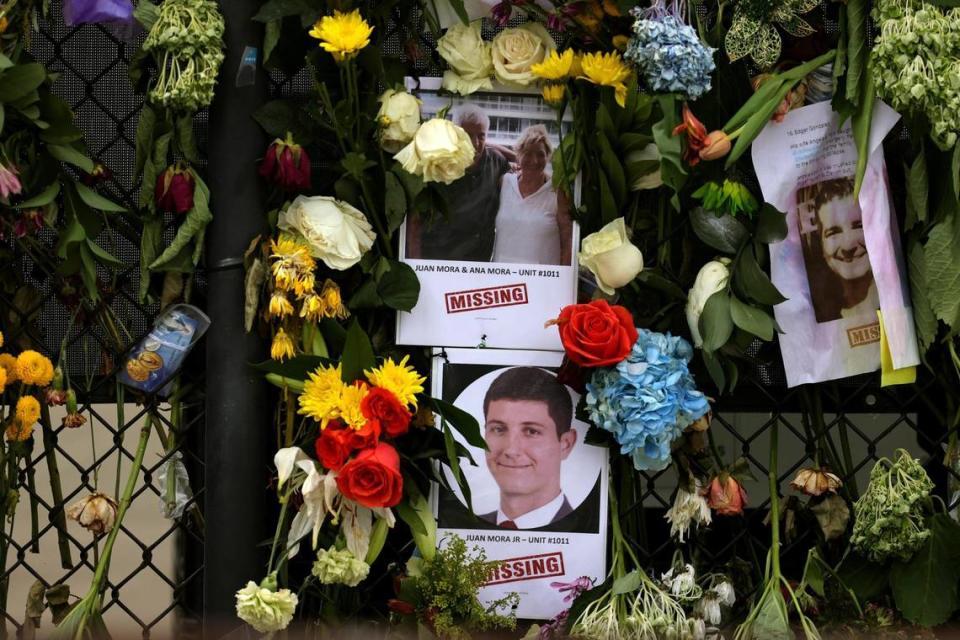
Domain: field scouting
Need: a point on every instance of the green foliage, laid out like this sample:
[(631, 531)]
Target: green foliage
[(925, 588), (729, 199)]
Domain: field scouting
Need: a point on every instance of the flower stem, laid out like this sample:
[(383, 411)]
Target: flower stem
[(774, 502), (57, 514)]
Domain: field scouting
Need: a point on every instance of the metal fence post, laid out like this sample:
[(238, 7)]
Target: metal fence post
[(237, 433)]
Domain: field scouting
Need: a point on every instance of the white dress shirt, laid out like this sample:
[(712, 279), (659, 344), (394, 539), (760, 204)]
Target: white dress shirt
[(539, 517)]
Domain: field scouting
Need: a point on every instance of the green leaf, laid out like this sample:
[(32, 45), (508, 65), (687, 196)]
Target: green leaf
[(399, 287), (716, 323), (925, 588), (145, 127), (56, 111), (453, 461), (723, 233), (867, 579), (186, 141), (365, 296), (355, 164), (105, 257), (672, 169), (394, 202), (18, 81), (860, 125), (751, 319), (277, 117), (754, 282), (95, 200), (357, 354), (756, 123), (296, 368), (627, 584), (613, 170), (45, 197), (918, 190), (460, 10), (943, 270), (70, 155), (715, 368), (460, 420), (277, 9), (857, 51), (771, 224), (146, 14), (924, 318)]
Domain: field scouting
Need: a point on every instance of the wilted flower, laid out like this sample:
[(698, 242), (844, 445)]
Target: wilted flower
[(815, 482), (339, 566), (96, 513), (74, 420), (174, 191), (709, 606), (713, 277), (682, 584), (282, 347), (54, 397), (342, 35), (100, 173), (726, 495), (696, 135), (688, 508), (9, 183), (647, 399), (287, 165), (265, 608)]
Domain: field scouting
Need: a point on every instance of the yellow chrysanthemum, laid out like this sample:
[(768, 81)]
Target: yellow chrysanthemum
[(280, 306), (401, 380), (303, 284), (34, 368), (333, 300), (282, 347), (288, 249), (350, 400), (321, 395), (1, 338), (8, 363), (28, 410), (607, 70), (342, 35), (3, 379), (18, 431), (555, 66), (553, 93), (312, 308)]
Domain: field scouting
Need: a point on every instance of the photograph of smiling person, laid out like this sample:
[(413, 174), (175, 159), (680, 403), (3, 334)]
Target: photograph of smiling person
[(835, 252), (527, 427)]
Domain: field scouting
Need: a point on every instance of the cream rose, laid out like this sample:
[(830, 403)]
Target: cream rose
[(516, 50), (611, 257), (399, 118), (469, 59), (712, 278), (337, 233), (440, 152)]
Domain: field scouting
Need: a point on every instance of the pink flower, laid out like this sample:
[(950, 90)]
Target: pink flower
[(9, 183)]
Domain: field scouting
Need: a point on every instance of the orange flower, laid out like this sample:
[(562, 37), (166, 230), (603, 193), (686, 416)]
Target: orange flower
[(696, 136), (715, 146), (726, 496)]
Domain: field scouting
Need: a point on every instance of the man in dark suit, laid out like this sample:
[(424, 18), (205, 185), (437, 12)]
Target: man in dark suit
[(528, 419)]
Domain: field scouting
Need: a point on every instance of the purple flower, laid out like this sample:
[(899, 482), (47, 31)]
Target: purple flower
[(9, 183), (501, 12), (575, 588), (556, 22)]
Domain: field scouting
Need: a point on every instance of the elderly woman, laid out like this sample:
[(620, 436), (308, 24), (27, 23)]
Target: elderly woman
[(533, 223)]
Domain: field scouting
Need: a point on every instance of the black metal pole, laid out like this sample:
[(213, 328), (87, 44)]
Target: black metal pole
[(237, 423)]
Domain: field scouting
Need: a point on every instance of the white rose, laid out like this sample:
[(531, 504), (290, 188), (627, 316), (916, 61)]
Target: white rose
[(713, 277), (516, 50), (469, 58), (611, 257), (399, 118), (650, 180), (440, 152), (337, 233)]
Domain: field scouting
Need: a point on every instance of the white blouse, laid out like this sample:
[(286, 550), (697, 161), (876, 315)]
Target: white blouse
[(527, 230)]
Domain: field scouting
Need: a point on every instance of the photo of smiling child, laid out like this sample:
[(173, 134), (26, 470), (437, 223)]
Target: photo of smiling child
[(835, 251), (538, 498)]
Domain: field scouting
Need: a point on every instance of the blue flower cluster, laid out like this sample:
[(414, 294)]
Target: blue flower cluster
[(670, 56), (648, 399)]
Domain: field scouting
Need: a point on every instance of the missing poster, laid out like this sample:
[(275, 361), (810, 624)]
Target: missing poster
[(500, 263), (841, 261), (539, 492)]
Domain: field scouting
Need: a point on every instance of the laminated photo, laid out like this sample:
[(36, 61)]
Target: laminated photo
[(538, 493), (841, 261), (500, 263)]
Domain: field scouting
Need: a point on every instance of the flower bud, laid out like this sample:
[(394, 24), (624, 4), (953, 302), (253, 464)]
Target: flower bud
[(71, 401), (715, 146), (815, 482), (726, 495), (713, 277), (611, 257), (96, 512), (174, 191), (287, 165)]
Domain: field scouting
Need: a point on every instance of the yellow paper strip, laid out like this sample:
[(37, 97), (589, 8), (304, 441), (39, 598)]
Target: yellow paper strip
[(888, 375)]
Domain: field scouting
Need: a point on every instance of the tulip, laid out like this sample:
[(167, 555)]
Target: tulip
[(726, 495), (815, 482), (174, 191), (715, 146), (287, 165), (696, 136), (96, 513)]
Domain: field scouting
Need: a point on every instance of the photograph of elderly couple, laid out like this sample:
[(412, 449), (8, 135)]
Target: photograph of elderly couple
[(505, 209), (537, 473)]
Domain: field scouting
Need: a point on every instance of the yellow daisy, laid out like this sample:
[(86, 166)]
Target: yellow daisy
[(350, 400), (28, 410), (34, 368), (555, 66), (402, 380), (8, 363), (282, 347), (321, 395), (553, 93), (342, 35), (280, 306), (607, 70)]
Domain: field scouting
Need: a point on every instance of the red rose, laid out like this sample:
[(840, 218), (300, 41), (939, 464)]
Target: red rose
[(366, 436), (287, 165), (373, 477), (383, 406), (726, 496), (333, 446), (596, 334), (174, 190)]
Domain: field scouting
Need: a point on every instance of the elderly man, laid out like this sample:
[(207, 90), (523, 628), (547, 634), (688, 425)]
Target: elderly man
[(468, 231)]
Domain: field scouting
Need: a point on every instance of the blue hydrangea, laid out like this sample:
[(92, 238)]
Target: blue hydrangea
[(648, 399), (670, 56)]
